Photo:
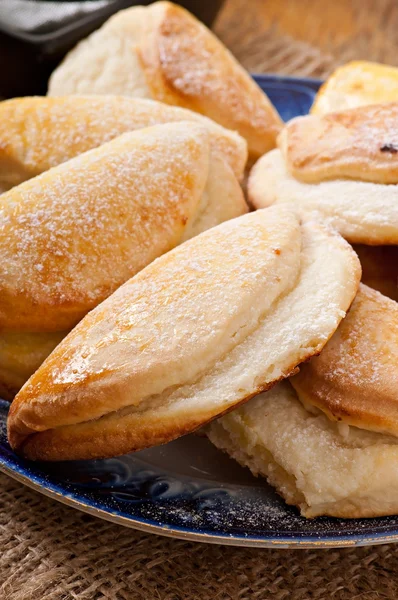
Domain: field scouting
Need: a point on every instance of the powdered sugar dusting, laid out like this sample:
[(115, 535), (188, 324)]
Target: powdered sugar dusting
[(153, 323), (361, 143), (199, 67), (68, 126), (162, 52), (365, 355), (73, 234), (170, 361)]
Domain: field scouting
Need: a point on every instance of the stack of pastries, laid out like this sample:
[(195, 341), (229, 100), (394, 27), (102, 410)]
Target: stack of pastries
[(138, 300)]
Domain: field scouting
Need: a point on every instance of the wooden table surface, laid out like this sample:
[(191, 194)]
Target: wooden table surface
[(309, 37)]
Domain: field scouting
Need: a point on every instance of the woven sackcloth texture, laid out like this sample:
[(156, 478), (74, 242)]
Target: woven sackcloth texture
[(51, 552), (307, 38)]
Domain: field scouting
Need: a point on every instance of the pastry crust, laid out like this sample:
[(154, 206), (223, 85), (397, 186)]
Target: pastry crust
[(360, 144), (73, 234), (200, 330), (163, 52), (363, 212), (357, 83), (21, 354), (39, 133), (355, 379), (318, 465)]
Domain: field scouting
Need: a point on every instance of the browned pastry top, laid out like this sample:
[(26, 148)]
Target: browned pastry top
[(360, 143), (187, 65), (70, 236), (355, 378)]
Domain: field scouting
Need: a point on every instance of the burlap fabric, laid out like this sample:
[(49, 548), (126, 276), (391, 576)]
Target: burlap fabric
[(307, 38), (51, 552)]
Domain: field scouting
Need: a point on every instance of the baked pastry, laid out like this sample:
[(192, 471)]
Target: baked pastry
[(379, 268), (20, 355), (355, 379), (337, 167), (162, 52), (361, 83), (71, 236), (39, 133), (321, 466), (330, 445), (357, 83), (200, 330)]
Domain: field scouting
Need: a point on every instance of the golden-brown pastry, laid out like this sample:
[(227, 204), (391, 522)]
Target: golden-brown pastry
[(330, 445), (321, 466), (200, 330), (72, 235), (20, 355), (361, 83), (359, 144), (357, 83), (163, 52), (39, 133), (355, 378), (380, 268), (336, 168)]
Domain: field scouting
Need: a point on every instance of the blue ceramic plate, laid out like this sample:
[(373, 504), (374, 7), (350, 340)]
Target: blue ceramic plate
[(188, 489)]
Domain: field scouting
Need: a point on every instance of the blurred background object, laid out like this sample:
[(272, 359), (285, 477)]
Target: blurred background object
[(36, 34), (307, 38), (290, 37)]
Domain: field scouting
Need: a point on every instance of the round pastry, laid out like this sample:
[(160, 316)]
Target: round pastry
[(70, 236), (357, 83), (341, 168), (330, 445), (355, 379)]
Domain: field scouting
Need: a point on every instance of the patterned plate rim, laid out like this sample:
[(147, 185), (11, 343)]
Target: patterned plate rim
[(195, 536)]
